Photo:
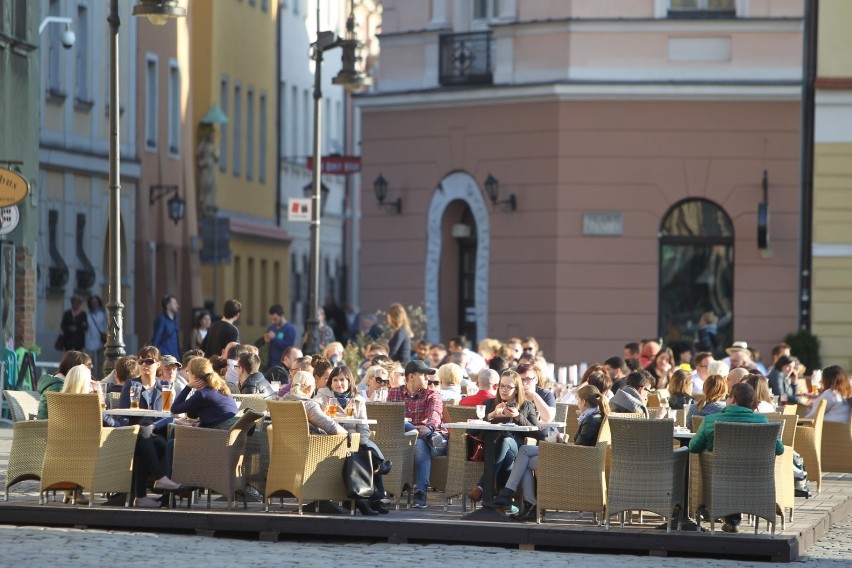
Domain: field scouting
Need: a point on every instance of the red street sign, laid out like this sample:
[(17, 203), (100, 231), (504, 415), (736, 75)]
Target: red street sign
[(338, 165)]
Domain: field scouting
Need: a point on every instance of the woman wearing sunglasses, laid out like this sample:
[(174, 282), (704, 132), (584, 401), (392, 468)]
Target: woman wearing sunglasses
[(146, 384), (375, 383), (510, 405)]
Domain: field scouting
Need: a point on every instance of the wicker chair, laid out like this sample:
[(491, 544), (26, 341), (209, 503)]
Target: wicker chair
[(256, 457), (81, 451), (739, 473), (462, 474), (26, 456), (809, 445), (785, 491), (212, 459), (572, 421), (836, 446), (585, 488), (253, 401), (396, 444), (561, 414), (23, 405), (791, 409), (302, 464), (646, 473)]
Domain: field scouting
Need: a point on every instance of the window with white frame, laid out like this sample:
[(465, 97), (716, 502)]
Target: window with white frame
[(237, 132), (486, 9), (250, 134), (708, 8), (261, 142), (174, 108), (151, 90), (82, 49), (223, 138)]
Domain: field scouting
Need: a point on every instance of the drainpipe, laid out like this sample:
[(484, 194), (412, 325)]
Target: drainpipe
[(809, 70)]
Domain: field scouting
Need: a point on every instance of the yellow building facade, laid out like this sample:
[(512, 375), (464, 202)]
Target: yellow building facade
[(234, 70), (832, 230)]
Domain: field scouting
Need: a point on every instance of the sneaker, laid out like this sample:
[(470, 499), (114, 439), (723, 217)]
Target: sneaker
[(420, 500), (730, 528), (148, 502)]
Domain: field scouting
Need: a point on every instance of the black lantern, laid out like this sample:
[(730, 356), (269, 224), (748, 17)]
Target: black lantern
[(176, 205), (492, 188), (308, 190), (380, 186)]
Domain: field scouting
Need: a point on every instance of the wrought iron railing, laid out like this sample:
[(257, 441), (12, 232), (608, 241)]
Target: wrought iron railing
[(465, 59)]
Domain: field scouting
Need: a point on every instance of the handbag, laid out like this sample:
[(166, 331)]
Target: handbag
[(59, 345), (475, 449), (358, 472)]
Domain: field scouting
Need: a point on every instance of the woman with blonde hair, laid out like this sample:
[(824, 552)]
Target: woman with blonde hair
[(489, 348), (376, 380), (450, 377), (334, 352), (399, 346), (212, 403), (680, 389), (396, 373), (715, 392), (762, 395)]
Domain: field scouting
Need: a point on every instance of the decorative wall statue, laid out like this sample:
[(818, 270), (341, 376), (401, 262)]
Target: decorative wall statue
[(207, 160)]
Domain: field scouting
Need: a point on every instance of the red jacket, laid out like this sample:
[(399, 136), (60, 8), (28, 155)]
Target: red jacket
[(476, 399)]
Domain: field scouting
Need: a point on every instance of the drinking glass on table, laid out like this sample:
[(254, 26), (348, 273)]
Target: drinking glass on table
[(135, 393), (480, 411), (168, 391), (276, 386)]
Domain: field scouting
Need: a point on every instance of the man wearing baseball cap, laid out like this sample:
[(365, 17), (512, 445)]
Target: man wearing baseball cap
[(423, 409)]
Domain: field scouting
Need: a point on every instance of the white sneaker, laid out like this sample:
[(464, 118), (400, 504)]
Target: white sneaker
[(148, 502)]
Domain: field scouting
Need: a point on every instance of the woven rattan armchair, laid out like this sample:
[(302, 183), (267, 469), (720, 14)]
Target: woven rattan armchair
[(836, 446), (256, 402), (462, 474), (29, 439), (396, 444), (809, 445), (785, 490), (572, 478), (23, 405), (572, 420), (81, 451), (647, 475), (307, 466), (739, 474), (212, 459), (561, 414), (256, 457)]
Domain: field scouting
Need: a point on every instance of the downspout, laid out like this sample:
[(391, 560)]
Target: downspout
[(278, 26), (809, 69)]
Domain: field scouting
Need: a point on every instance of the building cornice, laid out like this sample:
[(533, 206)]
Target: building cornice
[(633, 91)]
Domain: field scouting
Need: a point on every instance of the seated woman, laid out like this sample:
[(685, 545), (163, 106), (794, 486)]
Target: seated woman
[(593, 409), (79, 381), (319, 423), (53, 383), (375, 384), (715, 393), (837, 392), (680, 387), (510, 405), (211, 402), (341, 393), (147, 383), (450, 377), (661, 367), (249, 378), (762, 394)]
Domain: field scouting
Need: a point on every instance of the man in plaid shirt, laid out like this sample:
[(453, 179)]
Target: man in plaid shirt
[(423, 408)]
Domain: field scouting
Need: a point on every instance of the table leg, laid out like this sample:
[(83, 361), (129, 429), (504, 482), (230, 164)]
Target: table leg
[(489, 441)]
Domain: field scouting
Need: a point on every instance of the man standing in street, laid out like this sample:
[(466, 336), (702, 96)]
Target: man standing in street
[(166, 329), (223, 332), (280, 334)]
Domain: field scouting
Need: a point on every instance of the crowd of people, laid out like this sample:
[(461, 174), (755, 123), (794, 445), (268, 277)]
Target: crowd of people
[(511, 379)]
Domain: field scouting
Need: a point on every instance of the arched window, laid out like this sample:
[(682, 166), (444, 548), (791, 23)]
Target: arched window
[(696, 271)]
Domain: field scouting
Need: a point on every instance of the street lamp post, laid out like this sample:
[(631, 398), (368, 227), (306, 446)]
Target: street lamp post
[(114, 347)]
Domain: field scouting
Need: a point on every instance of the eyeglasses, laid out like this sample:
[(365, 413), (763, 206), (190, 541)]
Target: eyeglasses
[(702, 366), (434, 382), (528, 349), (507, 387), (529, 379), (147, 361)]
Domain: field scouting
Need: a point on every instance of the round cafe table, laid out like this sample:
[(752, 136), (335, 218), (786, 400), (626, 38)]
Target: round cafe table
[(138, 413)]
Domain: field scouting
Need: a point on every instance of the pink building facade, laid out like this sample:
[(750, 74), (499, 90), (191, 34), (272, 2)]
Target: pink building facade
[(633, 146)]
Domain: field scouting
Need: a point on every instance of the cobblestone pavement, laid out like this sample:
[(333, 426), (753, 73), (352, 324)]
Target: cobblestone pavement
[(24, 547)]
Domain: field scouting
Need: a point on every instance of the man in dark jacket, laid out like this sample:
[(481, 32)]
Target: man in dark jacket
[(166, 336), (251, 380), (223, 332), (631, 397)]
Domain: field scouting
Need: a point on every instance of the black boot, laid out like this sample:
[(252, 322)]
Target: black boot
[(364, 508), (503, 499), (529, 513), (379, 507)]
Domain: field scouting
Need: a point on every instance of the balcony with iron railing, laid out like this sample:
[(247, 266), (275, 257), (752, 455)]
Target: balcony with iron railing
[(465, 59)]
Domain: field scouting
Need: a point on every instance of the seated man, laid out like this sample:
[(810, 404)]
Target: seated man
[(739, 411), (632, 396), (487, 381), (423, 407)]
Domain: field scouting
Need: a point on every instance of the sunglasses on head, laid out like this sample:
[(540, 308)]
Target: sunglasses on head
[(147, 361)]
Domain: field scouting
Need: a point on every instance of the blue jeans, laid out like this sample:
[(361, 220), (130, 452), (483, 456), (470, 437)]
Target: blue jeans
[(423, 453), (506, 451)]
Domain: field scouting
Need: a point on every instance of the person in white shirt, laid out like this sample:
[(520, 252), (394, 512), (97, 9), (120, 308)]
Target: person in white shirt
[(699, 375), (837, 392)]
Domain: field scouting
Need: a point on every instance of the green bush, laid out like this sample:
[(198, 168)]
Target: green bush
[(805, 345)]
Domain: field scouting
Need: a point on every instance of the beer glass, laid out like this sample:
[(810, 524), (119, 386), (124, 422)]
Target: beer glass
[(350, 409), (135, 393), (331, 410), (168, 390)]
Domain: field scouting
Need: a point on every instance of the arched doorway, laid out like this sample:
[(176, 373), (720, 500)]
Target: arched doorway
[(457, 272), (696, 270)]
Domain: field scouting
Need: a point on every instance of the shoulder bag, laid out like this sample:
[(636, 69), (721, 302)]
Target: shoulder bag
[(358, 471)]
